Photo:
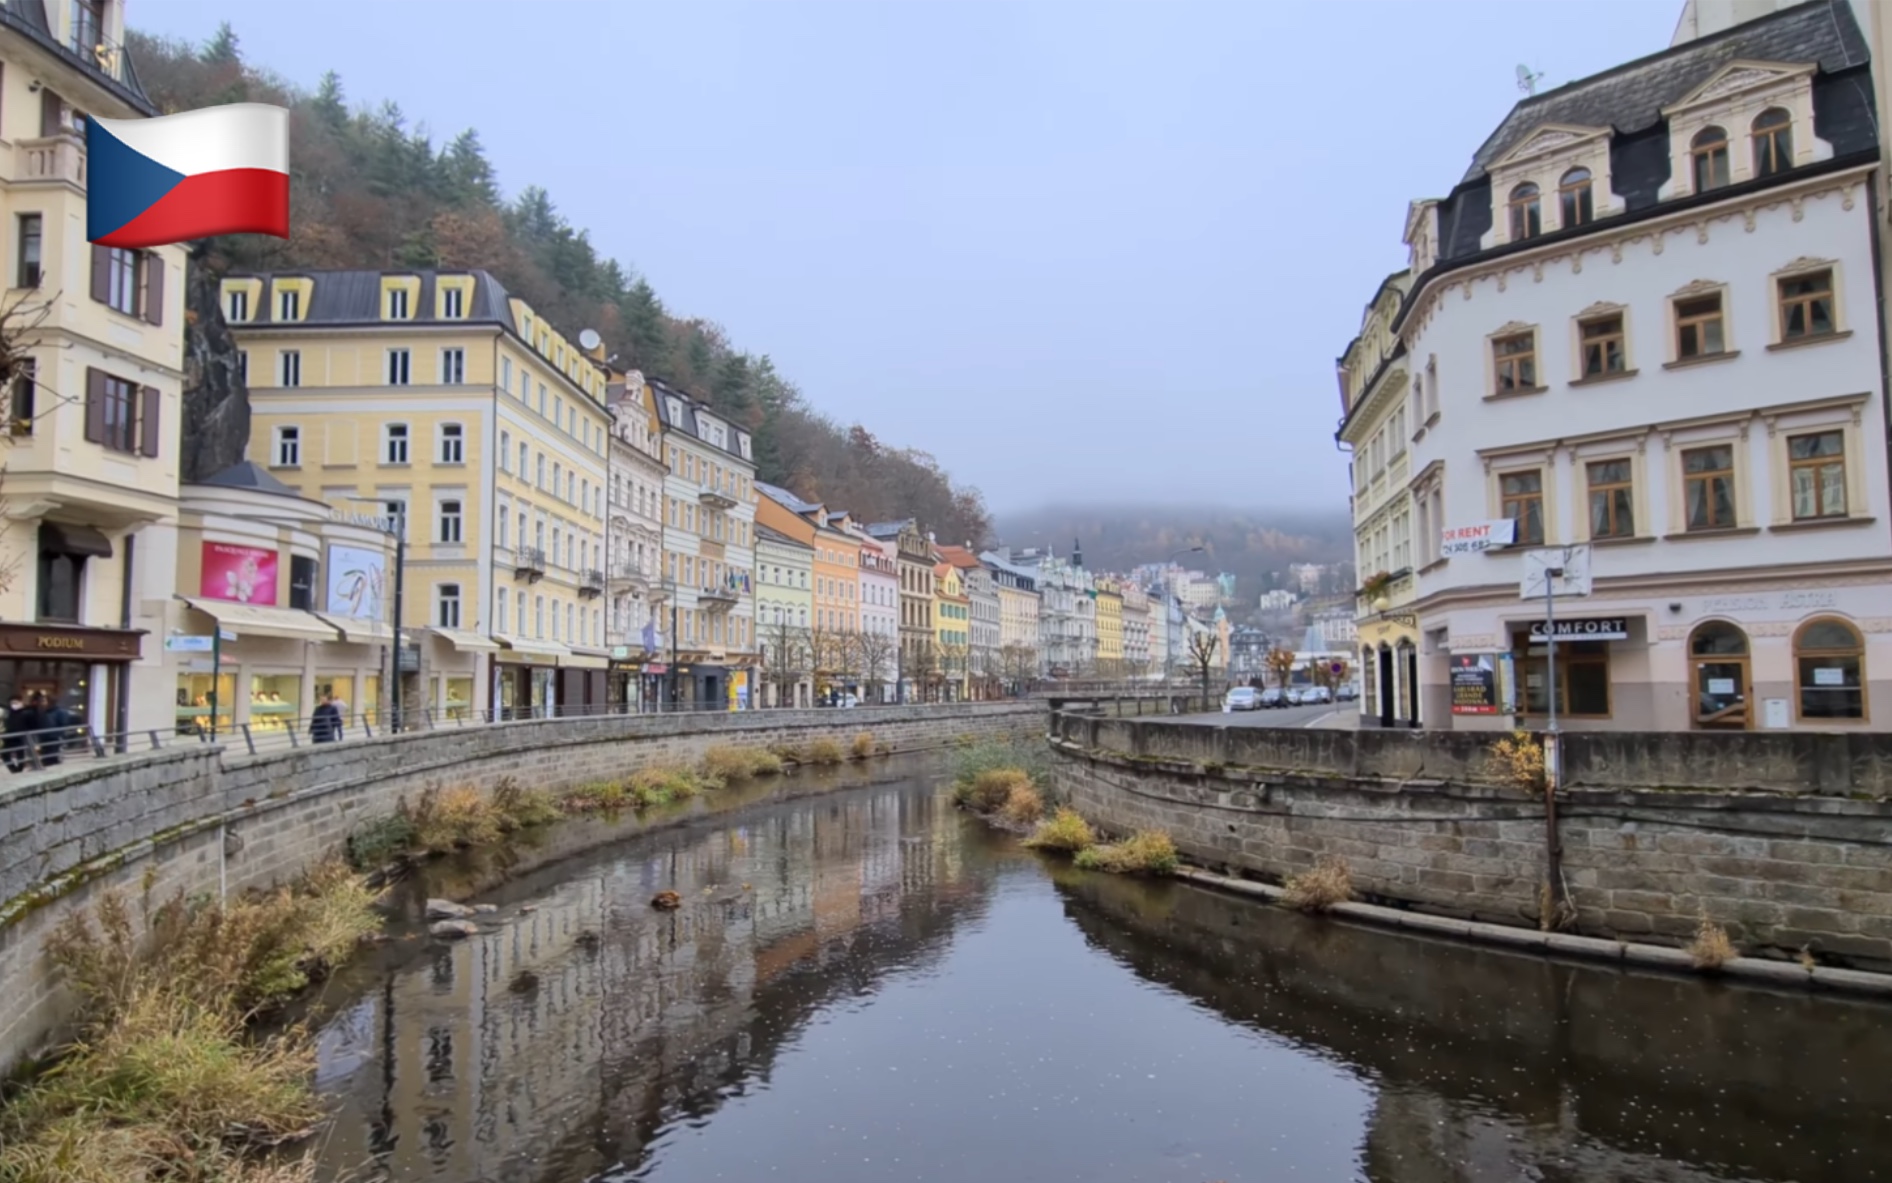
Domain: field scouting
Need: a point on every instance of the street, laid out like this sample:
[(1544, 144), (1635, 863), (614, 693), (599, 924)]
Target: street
[(1324, 714)]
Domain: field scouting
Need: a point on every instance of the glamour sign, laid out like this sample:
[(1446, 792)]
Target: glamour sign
[(1470, 540)]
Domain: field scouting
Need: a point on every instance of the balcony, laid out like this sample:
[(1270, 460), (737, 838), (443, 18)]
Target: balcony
[(717, 599), (591, 583), (50, 159), (629, 576), (528, 563), (715, 498)]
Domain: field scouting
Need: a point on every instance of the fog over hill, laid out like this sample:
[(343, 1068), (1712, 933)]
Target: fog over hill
[(1251, 542)]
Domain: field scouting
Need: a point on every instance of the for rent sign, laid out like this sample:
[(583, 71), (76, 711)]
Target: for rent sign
[(1470, 540)]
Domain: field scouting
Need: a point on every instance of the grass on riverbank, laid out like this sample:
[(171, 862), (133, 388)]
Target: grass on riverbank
[(1327, 883), (166, 1080), (1146, 852), (726, 763), (1064, 832)]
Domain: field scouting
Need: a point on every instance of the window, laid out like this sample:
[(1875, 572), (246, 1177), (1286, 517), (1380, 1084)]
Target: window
[(289, 304), (1612, 499), (61, 581), (1773, 142), (122, 280), (288, 452), (397, 303), (1698, 331), (1527, 212), (1817, 473), (395, 510), (1829, 671), (558, 471), (541, 398), (1806, 306), (1718, 656), (452, 444), (289, 367), (21, 412), (1522, 495), (31, 239), (541, 471), (499, 605), (502, 519), (1708, 154), (398, 367), (243, 366), (523, 450), (505, 451), (394, 444), (111, 413), (447, 605), (1573, 196), (452, 303), (505, 374), (1602, 340), (1708, 487), (538, 616), (1583, 677), (450, 521), (1515, 359), (452, 367)]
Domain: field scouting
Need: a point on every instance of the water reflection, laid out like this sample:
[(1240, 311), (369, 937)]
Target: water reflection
[(869, 987)]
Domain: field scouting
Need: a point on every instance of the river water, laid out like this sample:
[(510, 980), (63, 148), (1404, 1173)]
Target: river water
[(867, 987)]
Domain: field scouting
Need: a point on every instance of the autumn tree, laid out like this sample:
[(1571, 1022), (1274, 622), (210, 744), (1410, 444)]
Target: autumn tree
[(1281, 665)]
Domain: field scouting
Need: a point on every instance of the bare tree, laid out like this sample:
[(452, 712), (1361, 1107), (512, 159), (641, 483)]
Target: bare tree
[(953, 665), (1202, 647), (785, 659), (922, 667), (876, 653), (20, 323)]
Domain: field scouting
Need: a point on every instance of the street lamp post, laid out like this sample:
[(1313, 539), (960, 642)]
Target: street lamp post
[(1169, 629)]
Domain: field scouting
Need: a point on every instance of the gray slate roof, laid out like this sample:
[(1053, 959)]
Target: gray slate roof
[(777, 493), (354, 297), (1631, 96), (247, 474), (887, 529)]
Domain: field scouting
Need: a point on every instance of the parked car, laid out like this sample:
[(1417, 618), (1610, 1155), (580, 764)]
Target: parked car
[(1242, 698), (1347, 693), (1272, 699), (1294, 695), (1311, 695)]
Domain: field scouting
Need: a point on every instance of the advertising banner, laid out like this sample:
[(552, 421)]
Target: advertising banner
[(357, 583), (1470, 540), (238, 574), (1474, 685)]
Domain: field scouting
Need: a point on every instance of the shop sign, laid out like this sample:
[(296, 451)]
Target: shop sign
[(1474, 539), (1474, 685), (238, 574), (357, 582), (657, 667), (73, 643), (1584, 628), (190, 644)]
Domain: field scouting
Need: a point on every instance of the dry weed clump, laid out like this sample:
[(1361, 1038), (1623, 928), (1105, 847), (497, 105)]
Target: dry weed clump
[(726, 763), (1147, 852), (1711, 949), (826, 751), (863, 745), (1316, 890), (1023, 806), (1063, 831), (517, 807), (455, 818), (1517, 760), (988, 791)]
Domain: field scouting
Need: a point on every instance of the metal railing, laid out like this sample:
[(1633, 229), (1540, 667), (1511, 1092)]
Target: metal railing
[(53, 748)]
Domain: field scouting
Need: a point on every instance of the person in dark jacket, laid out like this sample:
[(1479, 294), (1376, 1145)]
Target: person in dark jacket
[(57, 723), (325, 726), (13, 746)]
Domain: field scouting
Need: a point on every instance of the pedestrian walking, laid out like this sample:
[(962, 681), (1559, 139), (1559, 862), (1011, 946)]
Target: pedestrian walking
[(325, 726), (13, 745), (57, 723)]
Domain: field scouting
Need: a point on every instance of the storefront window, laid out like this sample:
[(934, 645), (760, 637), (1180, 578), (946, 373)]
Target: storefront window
[(1829, 671), (369, 708), (459, 699), (342, 688), (1717, 653), (273, 701), (1583, 677), (198, 700)]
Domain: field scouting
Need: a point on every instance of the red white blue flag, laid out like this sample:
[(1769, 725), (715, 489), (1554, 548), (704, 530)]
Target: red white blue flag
[(221, 170)]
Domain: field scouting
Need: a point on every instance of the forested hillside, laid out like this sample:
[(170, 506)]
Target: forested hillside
[(368, 190)]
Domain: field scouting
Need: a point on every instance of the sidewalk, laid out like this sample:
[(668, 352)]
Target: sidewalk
[(1339, 719)]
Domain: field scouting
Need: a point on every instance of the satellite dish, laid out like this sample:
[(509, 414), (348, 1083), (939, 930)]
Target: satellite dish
[(1527, 80), (589, 340)]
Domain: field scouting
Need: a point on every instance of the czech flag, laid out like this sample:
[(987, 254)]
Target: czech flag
[(221, 170)]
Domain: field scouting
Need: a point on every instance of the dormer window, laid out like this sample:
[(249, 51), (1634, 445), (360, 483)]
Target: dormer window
[(397, 304), (1773, 142), (1527, 212), (1709, 151), (1573, 195)]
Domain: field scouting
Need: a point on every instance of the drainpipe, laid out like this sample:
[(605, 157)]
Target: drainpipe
[(121, 710)]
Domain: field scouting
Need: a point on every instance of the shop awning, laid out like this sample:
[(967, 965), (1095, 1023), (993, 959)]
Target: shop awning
[(532, 648), (583, 660), (362, 632), (60, 538), (255, 620), (466, 642)]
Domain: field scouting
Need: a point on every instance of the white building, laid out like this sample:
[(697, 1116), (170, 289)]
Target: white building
[(636, 626), (880, 613), (1136, 627), (1646, 321), (1278, 600)]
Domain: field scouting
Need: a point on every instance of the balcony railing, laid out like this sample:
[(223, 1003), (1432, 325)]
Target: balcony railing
[(528, 562), (629, 575), (717, 598), (715, 499), (51, 158), (591, 583)]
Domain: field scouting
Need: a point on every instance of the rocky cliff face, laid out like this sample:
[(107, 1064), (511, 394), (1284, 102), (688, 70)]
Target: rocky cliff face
[(216, 428)]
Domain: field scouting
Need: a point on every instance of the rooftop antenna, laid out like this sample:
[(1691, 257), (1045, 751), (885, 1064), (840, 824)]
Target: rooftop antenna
[(1527, 80)]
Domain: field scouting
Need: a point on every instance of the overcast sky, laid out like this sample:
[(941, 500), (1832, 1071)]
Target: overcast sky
[(1077, 250)]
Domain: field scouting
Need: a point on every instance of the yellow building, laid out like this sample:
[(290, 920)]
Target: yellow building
[(1375, 378), (91, 428), (450, 409), (952, 639), (1109, 629)]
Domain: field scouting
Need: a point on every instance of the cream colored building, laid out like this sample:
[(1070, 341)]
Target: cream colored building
[(91, 429), (448, 407), (635, 624)]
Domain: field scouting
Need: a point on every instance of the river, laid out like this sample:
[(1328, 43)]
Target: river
[(867, 986)]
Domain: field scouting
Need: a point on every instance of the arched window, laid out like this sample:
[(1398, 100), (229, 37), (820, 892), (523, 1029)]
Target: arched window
[(1709, 152), (1573, 195), (1829, 661), (1718, 657), (1773, 142), (1527, 212)]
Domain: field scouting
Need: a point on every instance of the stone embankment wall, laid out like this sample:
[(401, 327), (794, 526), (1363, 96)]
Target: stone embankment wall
[(1787, 844), (201, 819)]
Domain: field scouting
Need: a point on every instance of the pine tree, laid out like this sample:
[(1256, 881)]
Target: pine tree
[(329, 105), (222, 49)]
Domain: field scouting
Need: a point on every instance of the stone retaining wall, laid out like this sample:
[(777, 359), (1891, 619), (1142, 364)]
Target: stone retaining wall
[(1779, 871), (203, 819)]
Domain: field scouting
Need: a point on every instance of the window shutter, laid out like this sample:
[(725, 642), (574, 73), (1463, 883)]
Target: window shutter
[(154, 288), (101, 273), (149, 423), (94, 406)]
